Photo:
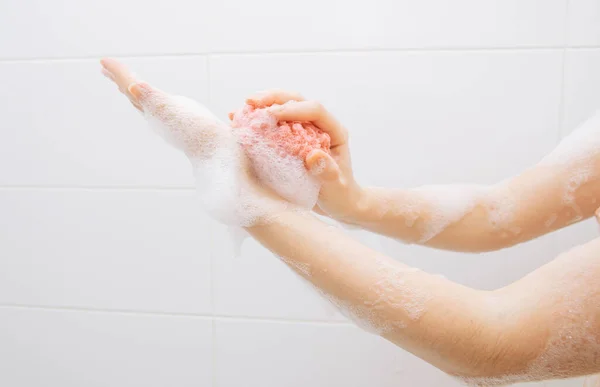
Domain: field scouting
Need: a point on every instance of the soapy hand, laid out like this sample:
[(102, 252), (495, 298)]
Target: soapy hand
[(188, 125), (340, 195), (227, 184)]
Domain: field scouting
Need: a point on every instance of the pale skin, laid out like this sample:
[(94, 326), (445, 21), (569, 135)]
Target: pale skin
[(344, 199), (518, 330)]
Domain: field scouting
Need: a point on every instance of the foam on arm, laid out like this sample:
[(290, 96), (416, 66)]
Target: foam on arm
[(245, 174), (546, 325), (560, 190)]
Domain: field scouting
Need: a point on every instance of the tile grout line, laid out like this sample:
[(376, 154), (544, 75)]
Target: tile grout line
[(213, 333), (298, 52), (561, 105), (95, 188), (211, 316), (564, 70)]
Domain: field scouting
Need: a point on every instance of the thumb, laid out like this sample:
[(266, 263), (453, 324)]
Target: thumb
[(321, 165), (140, 91)]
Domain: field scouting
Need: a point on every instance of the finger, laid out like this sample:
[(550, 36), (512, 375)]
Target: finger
[(121, 74), (142, 91), (108, 74), (597, 214), (322, 166), (267, 98), (314, 112)]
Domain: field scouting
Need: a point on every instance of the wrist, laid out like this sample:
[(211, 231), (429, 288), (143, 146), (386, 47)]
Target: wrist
[(359, 207)]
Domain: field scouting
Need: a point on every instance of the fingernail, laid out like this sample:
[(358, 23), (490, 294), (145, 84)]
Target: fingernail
[(318, 166), (254, 102), (135, 90)]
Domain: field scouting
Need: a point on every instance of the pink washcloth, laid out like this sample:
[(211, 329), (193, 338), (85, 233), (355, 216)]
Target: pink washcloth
[(287, 138)]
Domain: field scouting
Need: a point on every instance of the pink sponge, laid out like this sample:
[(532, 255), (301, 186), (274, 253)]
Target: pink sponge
[(288, 138)]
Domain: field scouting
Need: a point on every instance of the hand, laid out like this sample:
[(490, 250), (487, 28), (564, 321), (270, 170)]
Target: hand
[(183, 122), (233, 194), (340, 196)]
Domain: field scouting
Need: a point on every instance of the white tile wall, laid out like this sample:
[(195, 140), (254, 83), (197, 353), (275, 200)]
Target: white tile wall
[(583, 23), (75, 28), (482, 271), (105, 249), (581, 100), (109, 274), (315, 355), (582, 87), (258, 284), (338, 24), (72, 28), (413, 105), (91, 137), (73, 349)]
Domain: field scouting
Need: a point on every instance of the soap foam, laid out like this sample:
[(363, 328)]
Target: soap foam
[(433, 208), (446, 205), (391, 293), (278, 150), (230, 165)]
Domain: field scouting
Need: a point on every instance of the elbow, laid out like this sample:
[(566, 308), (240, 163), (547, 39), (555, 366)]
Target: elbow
[(505, 353), (495, 367)]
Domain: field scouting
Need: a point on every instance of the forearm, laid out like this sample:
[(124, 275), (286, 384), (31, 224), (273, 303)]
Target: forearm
[(483, 218), (442, 322), (543, 326)]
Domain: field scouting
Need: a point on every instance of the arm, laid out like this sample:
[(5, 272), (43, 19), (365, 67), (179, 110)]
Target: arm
[(559, 191), (546, 325), (540, 200)]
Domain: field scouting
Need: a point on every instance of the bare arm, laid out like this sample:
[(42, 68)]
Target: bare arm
[(545, 325), (557, 192), (540, 200)]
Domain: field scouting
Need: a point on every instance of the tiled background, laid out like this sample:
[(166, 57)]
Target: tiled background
[(109, 274)]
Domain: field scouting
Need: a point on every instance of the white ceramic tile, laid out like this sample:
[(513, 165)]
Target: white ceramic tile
[(74, 28), (488, 271), (418, 118), (74, 349), (267, 25), (582, 87), (317, 355), (583, 23), (582, 99), (577, 234), (127, 250), (256, 283), (63, 123)]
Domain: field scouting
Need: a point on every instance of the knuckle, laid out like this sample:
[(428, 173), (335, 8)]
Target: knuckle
[(318, 108)]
